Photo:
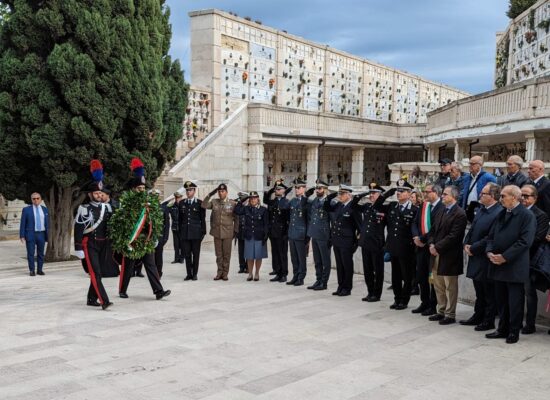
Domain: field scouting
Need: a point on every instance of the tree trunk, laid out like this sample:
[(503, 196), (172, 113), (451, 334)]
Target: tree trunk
[(61, 203)]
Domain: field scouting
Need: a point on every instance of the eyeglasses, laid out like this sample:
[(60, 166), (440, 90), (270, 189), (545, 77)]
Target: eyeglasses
[(36, 198), (484, 194), (526, 196)]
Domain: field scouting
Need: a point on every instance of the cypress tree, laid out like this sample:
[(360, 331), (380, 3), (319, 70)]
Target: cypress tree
[(516, 7), (84, 79)]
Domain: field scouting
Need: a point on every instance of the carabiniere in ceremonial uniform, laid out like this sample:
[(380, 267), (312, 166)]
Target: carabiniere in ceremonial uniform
[(192, 229)]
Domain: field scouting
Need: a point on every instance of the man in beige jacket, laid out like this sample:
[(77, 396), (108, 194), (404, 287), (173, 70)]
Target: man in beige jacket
[(222, 227)]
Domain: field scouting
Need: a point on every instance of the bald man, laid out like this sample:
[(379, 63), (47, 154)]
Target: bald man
[(474, 182), (541, 183)]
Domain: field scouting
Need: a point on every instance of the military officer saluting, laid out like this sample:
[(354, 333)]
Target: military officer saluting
[(222, 227), (344, 237), (399, 242), (297, 232), (318, 230), (372, 240), (277, 206), (90, 236), (193, 229)]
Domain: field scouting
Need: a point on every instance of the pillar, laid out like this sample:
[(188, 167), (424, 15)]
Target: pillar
[(357, 167), (255, 167), (312, 167), (533, 147), (462, 150), (433, 153)]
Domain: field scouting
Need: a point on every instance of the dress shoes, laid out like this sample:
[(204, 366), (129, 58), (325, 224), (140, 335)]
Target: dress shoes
[(366, 298), (428, 312), (188, 278), (292, 281), (140, 275), (256, 278), (344, 293), (175, 262), (40, 273), (162, 294), (373, 299), (32, 273), (273, 273), (528, 329), (217, 277), (282, 279), (447, 321), (106, 305), (472, 321), (322, 286), (337, 293), (299, 282), (93, 303), (275, 278), (400, 306), (512, 338), (437, 317), (421, 308), (123, 295), (496, 335), (194, 278), (312, 287), (225, 278), (242, 270), (484, 326), (393, 306)]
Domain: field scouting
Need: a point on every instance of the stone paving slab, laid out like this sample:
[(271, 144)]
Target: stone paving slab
[(242, 340)]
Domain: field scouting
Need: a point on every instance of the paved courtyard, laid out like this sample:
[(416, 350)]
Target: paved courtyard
[(241, 340)]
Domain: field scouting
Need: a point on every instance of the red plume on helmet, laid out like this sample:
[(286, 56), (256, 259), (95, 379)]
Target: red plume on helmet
[(137, 167)]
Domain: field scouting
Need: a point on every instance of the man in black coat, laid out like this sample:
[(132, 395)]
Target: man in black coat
[(475, 243), (174, 211), (447, 255), (277, 207), (343, 235), (507, 248), (192, 229), (541, 182), (514, 175), (528, 199), (163, 239), (400, 216), (421, 228)]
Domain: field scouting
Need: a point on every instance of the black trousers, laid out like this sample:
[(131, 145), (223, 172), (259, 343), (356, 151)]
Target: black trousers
[(402, 271), (159, 250), (344, 267), (321, 258), (427, 291), (192, 253), (509, 299), (373, 271), (150, 268), (532, 300), (279, 253), (298, 258), (178, 247), (95, 251), (242, 260), (485, 307)]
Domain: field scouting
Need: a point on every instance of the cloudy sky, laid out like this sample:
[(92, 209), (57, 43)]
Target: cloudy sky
[(448, 41)]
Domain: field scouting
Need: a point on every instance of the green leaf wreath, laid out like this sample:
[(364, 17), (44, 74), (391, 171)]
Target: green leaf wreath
[(136, 226)]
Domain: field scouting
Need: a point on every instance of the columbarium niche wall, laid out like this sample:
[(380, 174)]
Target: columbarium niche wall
[(335, 165), (376, 163), (284, 161)]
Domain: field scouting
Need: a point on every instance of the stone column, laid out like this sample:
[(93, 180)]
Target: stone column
[(255, 167), (357, 166), (433, 153), (533, 147), (312, 157), (462, 150)]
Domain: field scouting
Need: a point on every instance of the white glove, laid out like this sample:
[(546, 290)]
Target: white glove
[(80, 254)]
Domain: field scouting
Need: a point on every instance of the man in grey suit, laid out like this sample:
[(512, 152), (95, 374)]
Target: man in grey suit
[(507, 248)]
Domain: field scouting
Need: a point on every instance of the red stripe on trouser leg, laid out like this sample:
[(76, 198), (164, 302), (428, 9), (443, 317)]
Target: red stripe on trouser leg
[(121, 275), (90, 269)]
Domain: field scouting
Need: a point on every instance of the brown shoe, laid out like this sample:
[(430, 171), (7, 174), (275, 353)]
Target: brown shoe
[(217, 278)]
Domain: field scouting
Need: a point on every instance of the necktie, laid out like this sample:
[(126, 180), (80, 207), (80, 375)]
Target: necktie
[(37, 219)]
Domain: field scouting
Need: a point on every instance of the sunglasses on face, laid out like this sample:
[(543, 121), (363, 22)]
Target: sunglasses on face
[(36, 198), (526, 196)]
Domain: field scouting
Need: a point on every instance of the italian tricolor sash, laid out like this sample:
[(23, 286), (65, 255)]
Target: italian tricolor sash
[(425, 220), (138, 227)]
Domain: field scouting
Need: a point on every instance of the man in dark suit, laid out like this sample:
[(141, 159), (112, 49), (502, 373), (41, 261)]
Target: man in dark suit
[(508, 245), (174, 210), (421, 228), (447, 255), (277, 207), (514, 175), (541, 182), (163, 239), (528, 199), (343, 236), (478, 263), (33, 232), (400, 217), (192, 229)]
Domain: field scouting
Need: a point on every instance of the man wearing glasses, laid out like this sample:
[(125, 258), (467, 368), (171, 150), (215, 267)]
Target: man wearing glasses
[(33, 232), (474, 182), (222, 227), (514, 175)]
